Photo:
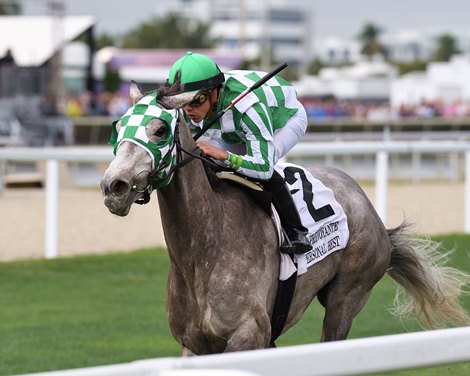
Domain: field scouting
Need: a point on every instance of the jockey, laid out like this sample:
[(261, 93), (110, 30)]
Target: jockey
[(253, 135)]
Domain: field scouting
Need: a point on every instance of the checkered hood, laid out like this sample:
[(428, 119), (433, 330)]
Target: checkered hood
[(132, 129)]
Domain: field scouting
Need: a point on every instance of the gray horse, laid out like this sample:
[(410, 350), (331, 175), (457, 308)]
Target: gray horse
[(223, 248)]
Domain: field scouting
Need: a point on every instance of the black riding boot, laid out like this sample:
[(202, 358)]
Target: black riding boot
[(296, 241)]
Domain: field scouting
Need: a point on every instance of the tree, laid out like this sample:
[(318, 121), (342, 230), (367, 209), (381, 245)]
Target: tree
[(112, 80), (10, 8), (105, 40), (369, 37), (315, 66), (170, 31), (412, 66), (446, 47)]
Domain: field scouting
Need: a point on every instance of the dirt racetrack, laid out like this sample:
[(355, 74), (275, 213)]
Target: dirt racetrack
[(86, 226)]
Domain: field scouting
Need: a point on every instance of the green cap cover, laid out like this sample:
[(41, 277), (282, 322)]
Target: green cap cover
[(197, 71)]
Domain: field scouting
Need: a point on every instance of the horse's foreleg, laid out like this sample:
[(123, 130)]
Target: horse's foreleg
[(250, 334), (186, 352)]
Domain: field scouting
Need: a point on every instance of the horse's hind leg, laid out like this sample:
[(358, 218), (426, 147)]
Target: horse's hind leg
[(341, 306), (347, 293)]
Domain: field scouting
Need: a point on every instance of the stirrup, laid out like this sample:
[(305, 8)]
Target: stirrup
[(297, 246)]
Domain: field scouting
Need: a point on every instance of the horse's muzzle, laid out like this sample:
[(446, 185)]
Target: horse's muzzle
[(118, 196)]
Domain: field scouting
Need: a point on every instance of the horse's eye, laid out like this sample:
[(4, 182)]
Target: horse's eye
[(160, 132)]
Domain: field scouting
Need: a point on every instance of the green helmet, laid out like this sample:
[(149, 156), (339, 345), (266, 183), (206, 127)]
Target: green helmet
[(195, 72)]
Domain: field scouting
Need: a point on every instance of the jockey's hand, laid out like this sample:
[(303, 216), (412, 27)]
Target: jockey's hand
[(209, 150)]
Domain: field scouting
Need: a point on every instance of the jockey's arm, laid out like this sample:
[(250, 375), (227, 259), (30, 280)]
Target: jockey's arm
[(210, 150), (258, 162)]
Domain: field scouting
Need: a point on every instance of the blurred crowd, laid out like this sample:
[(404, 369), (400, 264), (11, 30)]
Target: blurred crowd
[(331, 108), (104, 104), (428, 108), (116, 104)]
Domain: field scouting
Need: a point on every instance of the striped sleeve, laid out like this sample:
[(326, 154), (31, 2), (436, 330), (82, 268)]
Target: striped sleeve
[(258, 162)]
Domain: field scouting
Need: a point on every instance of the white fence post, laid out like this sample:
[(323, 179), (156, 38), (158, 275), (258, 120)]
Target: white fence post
[(381, 185), (467, 193), (52, 208)]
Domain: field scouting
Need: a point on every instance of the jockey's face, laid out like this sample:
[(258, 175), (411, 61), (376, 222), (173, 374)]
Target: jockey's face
[(201, 107)]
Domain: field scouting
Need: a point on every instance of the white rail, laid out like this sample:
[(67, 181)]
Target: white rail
[(52, 156), (381, 150), (351, 357)]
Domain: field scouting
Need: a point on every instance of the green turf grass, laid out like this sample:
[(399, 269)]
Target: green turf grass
[(84, 311), (96, 310)]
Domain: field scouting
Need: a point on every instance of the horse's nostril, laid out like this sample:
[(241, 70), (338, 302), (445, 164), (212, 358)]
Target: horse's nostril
[(120, 188)]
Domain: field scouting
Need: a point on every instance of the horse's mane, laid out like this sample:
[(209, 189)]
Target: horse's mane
[(167, 90)]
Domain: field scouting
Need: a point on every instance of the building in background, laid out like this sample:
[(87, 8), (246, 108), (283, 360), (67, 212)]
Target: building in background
[(366, 80), (37, 39), (267, 29), (404, 46), (150, 67), (46, 65), (443, 82), (336, 51)]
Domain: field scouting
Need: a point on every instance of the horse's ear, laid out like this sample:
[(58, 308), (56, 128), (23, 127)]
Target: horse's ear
[(178, 101), (135, 92)]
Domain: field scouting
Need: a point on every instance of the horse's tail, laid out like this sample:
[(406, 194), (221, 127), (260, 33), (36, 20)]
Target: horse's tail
[(427, 288)]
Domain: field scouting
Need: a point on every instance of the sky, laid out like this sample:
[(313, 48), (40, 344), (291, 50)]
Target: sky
[(331, 18)]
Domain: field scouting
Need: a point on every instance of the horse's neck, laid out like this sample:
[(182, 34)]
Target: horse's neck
[(188, 206)]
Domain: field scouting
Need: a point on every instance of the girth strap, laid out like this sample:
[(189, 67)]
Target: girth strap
[(284, 295)]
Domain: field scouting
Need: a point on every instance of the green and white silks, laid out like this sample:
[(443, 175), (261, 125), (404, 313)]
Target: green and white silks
[(252, 121), (133, 129)]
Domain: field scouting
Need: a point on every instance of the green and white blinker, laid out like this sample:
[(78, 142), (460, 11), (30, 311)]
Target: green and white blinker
[(133, 124)]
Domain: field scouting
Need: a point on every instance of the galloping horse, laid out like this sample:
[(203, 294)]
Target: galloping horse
[(224, 248)]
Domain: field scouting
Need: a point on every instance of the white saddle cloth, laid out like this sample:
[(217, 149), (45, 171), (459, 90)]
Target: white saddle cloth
[(319, 212)]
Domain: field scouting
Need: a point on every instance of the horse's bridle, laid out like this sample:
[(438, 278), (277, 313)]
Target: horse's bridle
[(152, 177)]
